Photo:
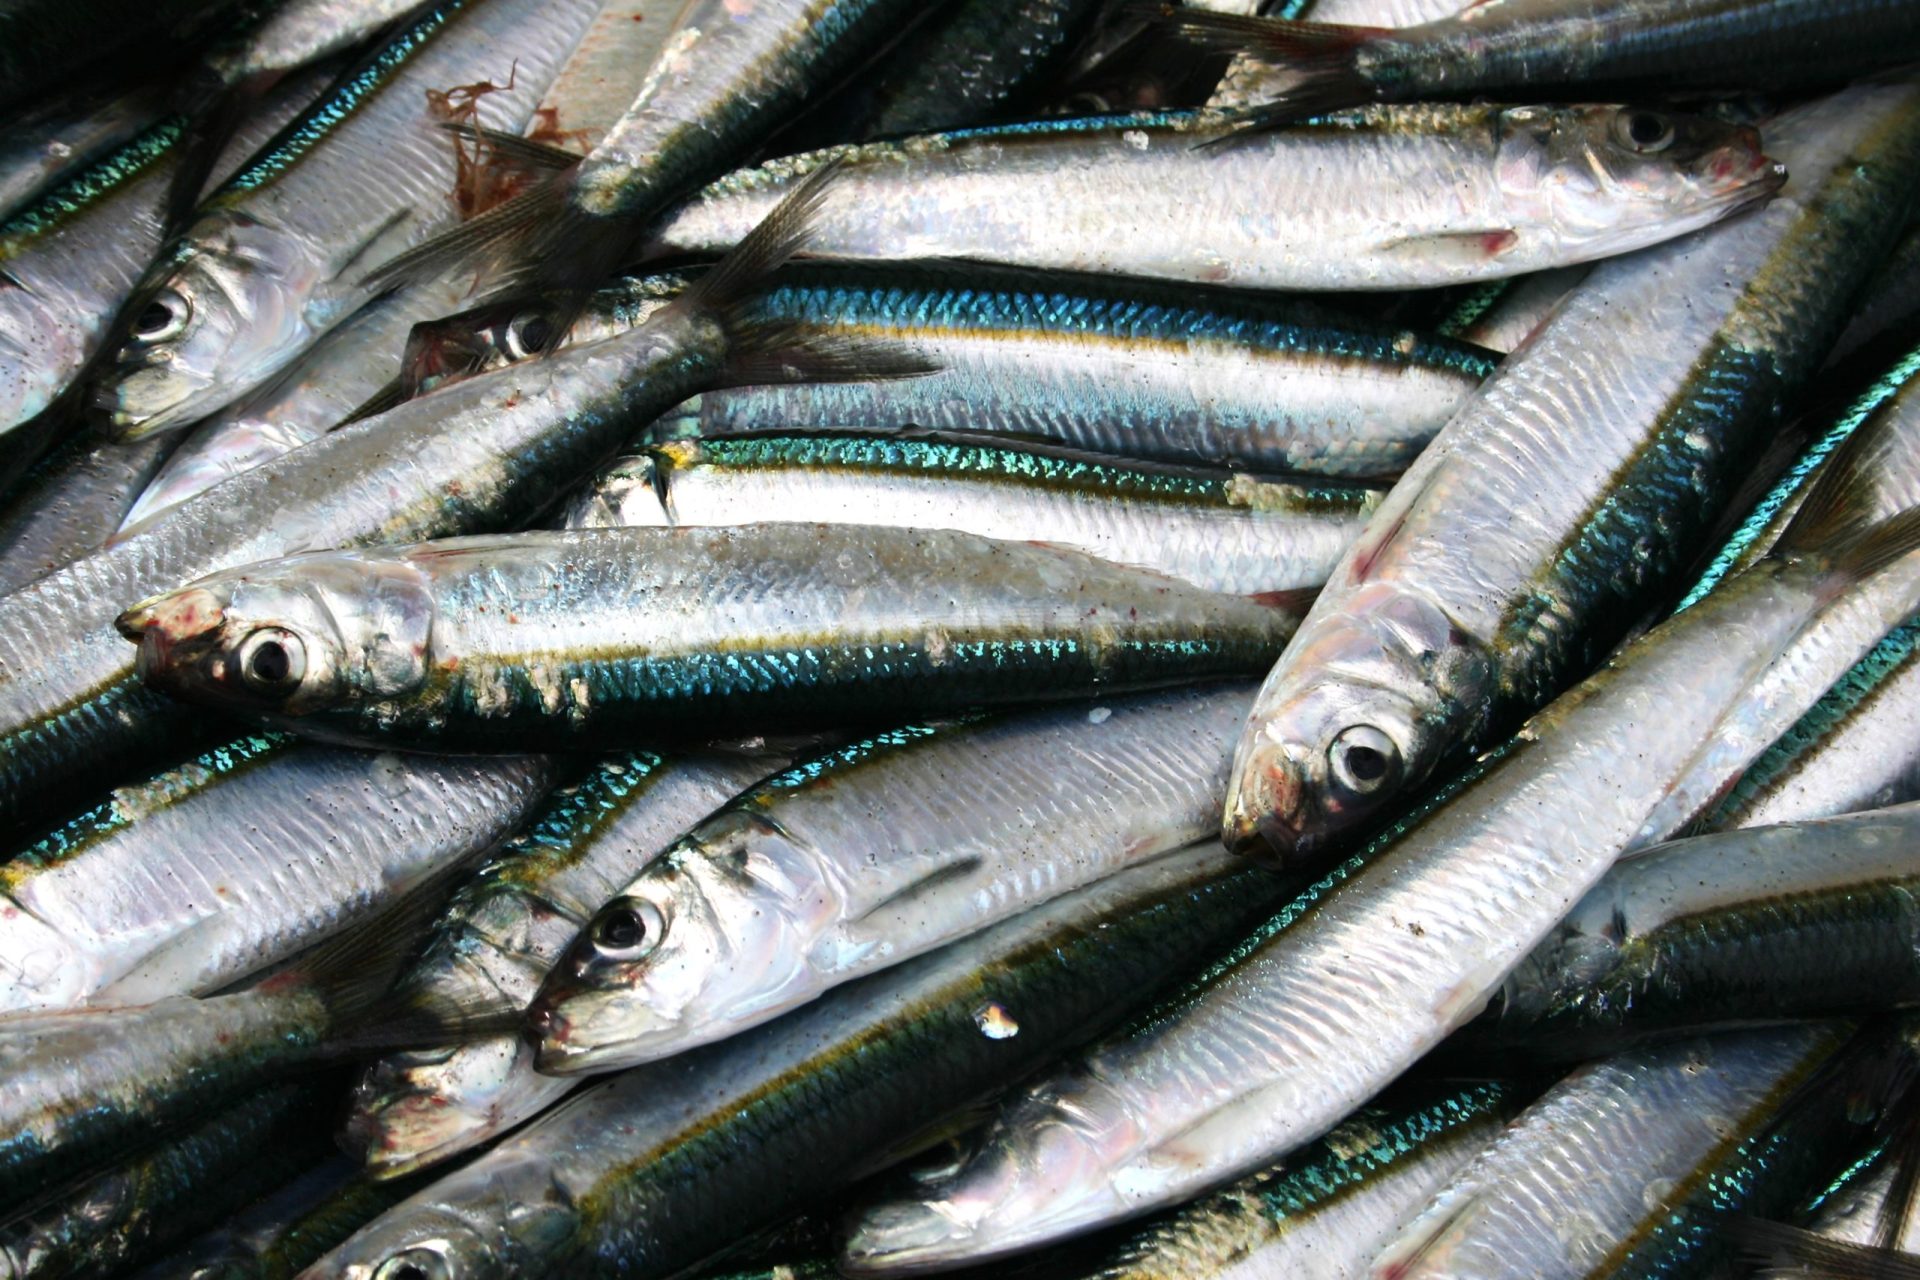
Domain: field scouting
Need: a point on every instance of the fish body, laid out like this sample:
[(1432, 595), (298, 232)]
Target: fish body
[(1554, 508), (1392, 198), (775, 1120), (278, 253), (46, 144), (508, 642), (1220, 531), (504, 929), (63, 507), (874, 854)]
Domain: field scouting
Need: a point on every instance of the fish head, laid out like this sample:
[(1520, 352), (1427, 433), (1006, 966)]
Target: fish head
[(463, 345), (422, 1240), (714, 935), (287, 638), (1609, 179), (1366, 701), (210, 322), (416, 1108)]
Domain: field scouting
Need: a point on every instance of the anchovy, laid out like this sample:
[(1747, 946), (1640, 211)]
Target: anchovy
[(1217, 530), (873, 855), (278, 253), (1132, 369), (1405, 941), (66, 505), (187, 1182), (1399, 197), (291, 844), (775, 1121), (490, 452), (1619, 430), (504, 929), (1608, 1157), (1529, 45), (1807, 919)]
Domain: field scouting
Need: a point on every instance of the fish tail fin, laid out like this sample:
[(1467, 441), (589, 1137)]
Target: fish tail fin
[(1777, 1244), (1296, 600), (763, 350), (1323, 57), (476, 240), (525, 152), (214, 112), (1840, 517)]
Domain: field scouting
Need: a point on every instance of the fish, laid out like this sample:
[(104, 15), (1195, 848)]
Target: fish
[(1806, 919), (776, 1120), (1125, 368), (1574, 490), (605, 637), (1400, 197), (166, 1193), (489, 453), (878, 852), (1614, 1153), (504, 928), (1221, 531), (1400, 944), (1525, 46), (293, 844), (276, 256), (63, 507)]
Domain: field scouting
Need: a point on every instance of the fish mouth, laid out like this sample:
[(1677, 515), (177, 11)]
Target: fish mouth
[(913, 1237), (559, 1048), (166, 625), (146, 401)]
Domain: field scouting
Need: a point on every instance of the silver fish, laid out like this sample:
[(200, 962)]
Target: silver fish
[(1399, 197), (873, 855), (62, 508), (278, 254), (1557, 504)]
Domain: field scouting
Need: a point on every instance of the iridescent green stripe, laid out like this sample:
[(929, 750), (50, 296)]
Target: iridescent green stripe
[(81, 193)]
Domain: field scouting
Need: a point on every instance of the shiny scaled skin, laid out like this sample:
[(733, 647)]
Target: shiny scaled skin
[(876, 853), (776, 1120), (1387, 198), (1570, 492), (615, 635)]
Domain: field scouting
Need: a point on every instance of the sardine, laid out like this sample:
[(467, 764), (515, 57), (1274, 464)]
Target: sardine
[(504, 930), (279, 252), (490, 452), (872, 855), (1552, 511), (1388, 198), (1403, 942), (1530, 45), (1220, 531), (550, 640), (776, 1120), (290, 845), (1608, 1157)]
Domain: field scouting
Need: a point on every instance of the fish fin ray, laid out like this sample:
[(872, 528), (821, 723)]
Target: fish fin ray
[(469, 242), (390, 394), (1760, 1241), (1466, 248), (513, 147), (1321, 55)]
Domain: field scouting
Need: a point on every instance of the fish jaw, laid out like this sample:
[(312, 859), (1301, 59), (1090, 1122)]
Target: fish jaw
[(175, 628), (414, 1110)]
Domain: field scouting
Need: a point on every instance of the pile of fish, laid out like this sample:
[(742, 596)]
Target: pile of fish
[(1048, 639)]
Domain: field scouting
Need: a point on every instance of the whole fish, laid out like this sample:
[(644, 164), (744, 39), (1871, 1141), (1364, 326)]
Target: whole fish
[(65, 506), (873, 855), (291, 844), (1218, 530), (491, 452), (165, 1194), (73, 254), (1555, 507), (1387, 198), (774, 1121), (1807, 919), (278, 253), (1528, 45), (1128, 368), (1608, 1157), (546, 640), (1400, 944), (504, 929)]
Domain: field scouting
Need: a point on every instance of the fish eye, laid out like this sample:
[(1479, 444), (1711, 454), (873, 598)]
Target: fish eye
[(272, 660), (627, 929), (422, 1262), (1363, 759), (164, 316), (529, 334), (1647, 132)]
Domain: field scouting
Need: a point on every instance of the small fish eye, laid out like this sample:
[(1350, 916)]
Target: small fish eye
[(415, 1264), (162, 318), (627, 930), (272, 660), (1363, 759), (529, 334), (1648, 132)]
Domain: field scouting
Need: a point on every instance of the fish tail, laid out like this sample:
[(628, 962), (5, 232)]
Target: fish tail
[(511, 147), (1839, 518), (214, 111), (1777, 1244), (1323, 57), (490, 235)]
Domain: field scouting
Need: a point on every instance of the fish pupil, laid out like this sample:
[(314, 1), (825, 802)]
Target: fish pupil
[(1366, 764), (154, 318), (1646, 128), (270, 663), (534, 332), (622, 929)]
